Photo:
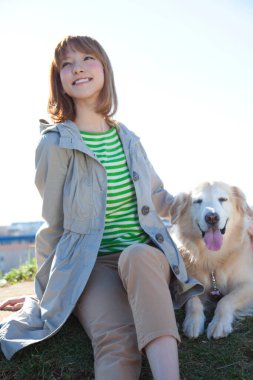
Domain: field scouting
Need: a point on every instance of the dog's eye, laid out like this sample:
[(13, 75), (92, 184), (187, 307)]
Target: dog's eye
[(197, 201), (222, 199)]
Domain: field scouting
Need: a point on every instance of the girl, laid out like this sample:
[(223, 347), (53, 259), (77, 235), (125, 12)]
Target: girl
[(103, 253)]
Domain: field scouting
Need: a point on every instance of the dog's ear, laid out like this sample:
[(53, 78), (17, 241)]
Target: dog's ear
[(240, 201), (179, 206)]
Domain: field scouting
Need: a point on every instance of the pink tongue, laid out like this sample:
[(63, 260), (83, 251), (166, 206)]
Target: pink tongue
[(213, 240)]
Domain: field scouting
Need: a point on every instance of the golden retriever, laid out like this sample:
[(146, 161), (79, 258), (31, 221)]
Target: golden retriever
[(211, 225)]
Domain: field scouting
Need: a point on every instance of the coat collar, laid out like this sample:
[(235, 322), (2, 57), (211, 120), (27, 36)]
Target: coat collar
[(70, 137)]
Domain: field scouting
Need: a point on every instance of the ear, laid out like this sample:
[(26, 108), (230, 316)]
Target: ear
[(179, 206), (240, 201)]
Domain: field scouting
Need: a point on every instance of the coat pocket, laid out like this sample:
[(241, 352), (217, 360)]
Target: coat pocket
[(78, 199)]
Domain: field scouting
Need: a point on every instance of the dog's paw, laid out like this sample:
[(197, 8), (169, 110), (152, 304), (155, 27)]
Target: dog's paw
[(219, 328), (194, 326), (194, 322)]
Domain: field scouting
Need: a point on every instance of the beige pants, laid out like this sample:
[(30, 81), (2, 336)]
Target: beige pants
[(125, 305)]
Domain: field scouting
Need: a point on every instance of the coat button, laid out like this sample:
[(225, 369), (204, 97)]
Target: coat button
[(176, 269), (159, 238), (135, 176), (145, 210)]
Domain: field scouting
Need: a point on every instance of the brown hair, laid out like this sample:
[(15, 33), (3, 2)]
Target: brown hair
[(60, 105)]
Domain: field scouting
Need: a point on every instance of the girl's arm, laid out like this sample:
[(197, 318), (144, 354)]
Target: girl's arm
[(51, 167), (51, 163), (161, 198)]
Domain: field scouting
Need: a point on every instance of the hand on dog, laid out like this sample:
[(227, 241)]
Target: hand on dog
[(13, 304)]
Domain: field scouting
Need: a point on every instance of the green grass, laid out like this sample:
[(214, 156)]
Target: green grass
[(224, 359), (68, 356)]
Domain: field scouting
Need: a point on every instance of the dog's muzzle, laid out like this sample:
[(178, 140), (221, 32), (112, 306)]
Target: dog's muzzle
[(213, 237)]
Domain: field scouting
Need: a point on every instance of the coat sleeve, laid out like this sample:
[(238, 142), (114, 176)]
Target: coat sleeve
[(161, 198), (51, 163)]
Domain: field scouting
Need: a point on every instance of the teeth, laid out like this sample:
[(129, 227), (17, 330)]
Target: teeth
[(84, 80)]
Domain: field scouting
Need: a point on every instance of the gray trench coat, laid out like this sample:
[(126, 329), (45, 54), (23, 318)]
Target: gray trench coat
[(73, 185)]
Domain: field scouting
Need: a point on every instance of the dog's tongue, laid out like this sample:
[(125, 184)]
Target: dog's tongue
[(213, 240)]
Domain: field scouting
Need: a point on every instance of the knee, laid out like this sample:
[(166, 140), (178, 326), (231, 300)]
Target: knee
[(142, 260), (133, 256)]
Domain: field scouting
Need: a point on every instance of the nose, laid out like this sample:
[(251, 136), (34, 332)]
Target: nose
[(212, 218), (78, 68)]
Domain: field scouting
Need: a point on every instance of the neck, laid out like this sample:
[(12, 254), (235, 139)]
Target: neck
[(90, 121)]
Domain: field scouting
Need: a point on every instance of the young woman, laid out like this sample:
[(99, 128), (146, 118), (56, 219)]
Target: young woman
[(103, 253)]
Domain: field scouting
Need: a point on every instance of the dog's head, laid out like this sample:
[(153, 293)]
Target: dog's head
[(208, 212)]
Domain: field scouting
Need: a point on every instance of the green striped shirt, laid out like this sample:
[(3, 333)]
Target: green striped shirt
[(122, 227)]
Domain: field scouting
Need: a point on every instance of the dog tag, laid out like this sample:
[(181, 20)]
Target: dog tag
[(216, 294)]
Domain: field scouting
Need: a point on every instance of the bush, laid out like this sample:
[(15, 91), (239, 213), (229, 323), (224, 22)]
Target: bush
[(25, 272)]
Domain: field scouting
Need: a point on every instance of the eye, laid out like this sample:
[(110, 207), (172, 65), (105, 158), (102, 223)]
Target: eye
[(87, 57), (222, 199), (197, 201), (64, 64)]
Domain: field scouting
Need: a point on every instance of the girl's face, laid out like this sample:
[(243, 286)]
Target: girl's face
[(82, 76)]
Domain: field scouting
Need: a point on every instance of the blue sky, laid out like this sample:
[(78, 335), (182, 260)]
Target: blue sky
[(184, 78)]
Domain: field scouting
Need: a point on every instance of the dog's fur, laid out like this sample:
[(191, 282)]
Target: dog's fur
[(215, 208)]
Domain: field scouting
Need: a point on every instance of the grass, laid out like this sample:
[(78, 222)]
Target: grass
[(223, 359), (68, 356)]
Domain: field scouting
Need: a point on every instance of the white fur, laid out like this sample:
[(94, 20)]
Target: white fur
[(232, 263)]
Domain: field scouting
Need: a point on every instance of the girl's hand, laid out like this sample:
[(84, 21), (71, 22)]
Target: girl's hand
[(12, 304)]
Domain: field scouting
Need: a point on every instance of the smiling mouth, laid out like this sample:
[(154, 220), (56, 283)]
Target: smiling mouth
[(222, 230), (82, 80), (213, 237)]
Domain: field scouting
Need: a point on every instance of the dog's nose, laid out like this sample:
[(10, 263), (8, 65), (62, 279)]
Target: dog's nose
[(212, 218)]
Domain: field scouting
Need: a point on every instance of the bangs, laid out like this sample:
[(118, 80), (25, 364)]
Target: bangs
[(78, 43)]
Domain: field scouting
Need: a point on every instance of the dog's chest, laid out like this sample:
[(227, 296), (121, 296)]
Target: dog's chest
[(217, 284)]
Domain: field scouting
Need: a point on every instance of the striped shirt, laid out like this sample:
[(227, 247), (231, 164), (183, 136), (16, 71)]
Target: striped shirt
[(122, 227)]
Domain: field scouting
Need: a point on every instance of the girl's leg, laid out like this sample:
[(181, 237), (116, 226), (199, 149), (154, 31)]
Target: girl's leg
[(162, 355), (145, 274), (106, 316)]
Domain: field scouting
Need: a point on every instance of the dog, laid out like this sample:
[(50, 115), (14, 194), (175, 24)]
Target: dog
[(211, 225)]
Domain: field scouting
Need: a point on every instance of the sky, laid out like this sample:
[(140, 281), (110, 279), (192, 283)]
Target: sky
[(184, 78)]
